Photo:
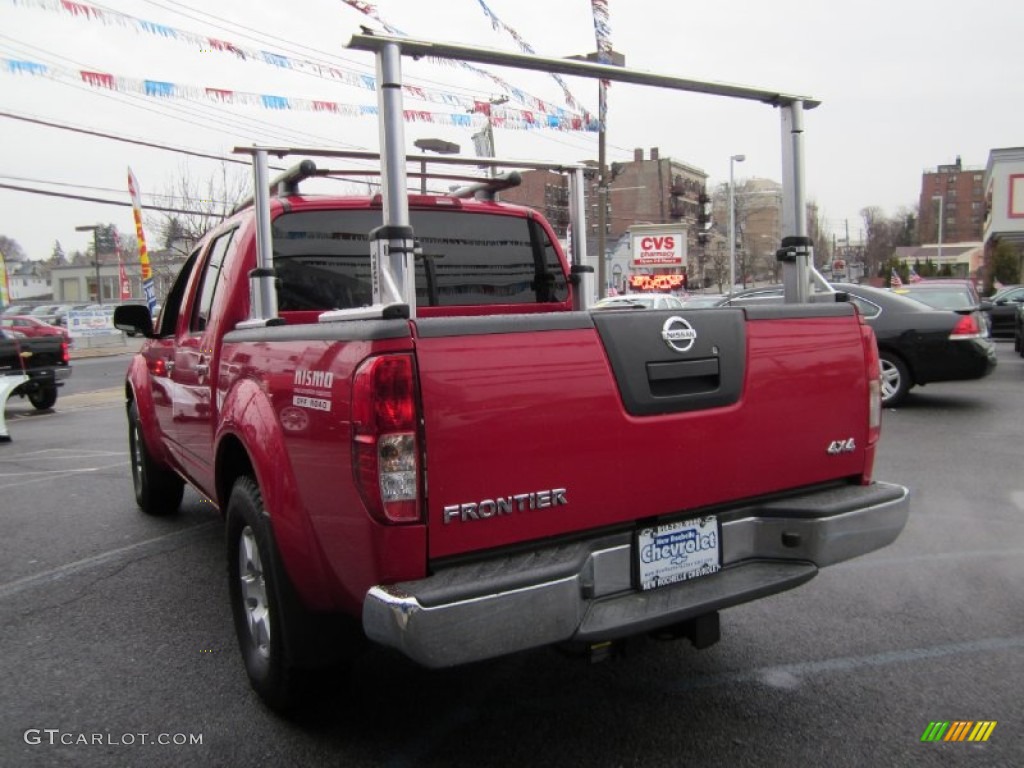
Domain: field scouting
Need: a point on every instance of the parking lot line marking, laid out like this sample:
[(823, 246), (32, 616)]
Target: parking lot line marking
[(54, 473), (868, 562), (847, 663), (157, 544), (69, 453)]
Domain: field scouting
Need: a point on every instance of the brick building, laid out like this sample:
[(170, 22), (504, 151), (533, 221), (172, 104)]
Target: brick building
[(647, 190), (962, 192)]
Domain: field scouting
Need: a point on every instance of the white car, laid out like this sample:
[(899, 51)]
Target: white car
[(640, 301)]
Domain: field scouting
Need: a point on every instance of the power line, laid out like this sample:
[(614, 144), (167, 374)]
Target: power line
[(100, 200), (206, 112), (127, 140)]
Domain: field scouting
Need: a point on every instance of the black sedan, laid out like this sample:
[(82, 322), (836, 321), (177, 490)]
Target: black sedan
[(917, 345), (1002, 309), (1018, 330)]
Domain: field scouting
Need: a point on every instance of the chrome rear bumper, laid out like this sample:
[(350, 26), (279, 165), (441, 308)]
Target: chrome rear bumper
[(584, 591)]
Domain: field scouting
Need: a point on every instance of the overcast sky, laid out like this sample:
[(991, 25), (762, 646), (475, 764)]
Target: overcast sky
[(906, 85)]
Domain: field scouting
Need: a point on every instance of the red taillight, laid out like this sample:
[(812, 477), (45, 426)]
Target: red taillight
[(874, 367), (385, 438), (874, 371), (65, 352), (965, 328)]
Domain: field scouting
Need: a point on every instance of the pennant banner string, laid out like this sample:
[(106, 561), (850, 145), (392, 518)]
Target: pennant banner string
[(602, 32), (512, 119), (525, 47), (337, 74), (370, 10)]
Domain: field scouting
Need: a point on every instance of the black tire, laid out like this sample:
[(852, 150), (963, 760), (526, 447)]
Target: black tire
[(158, 490), (42, 398), (895, 379), (284, 646)]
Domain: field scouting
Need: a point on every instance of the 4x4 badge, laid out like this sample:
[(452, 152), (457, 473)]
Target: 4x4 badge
[(678, 334), (837, 447)]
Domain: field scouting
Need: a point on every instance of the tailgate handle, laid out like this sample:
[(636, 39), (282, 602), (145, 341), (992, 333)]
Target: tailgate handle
[(684, 377)]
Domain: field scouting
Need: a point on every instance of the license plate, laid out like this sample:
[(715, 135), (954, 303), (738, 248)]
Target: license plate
[(674, 552)]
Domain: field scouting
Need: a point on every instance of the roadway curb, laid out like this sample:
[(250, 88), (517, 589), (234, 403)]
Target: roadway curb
[(129, 348)]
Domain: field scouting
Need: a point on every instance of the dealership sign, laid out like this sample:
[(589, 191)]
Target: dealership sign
[(657, 245)]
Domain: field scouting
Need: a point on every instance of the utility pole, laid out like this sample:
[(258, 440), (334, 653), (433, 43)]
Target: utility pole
[(95, 256), (484, 140), (618, 60)]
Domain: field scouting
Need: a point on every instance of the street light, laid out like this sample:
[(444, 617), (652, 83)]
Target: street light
[(95, 256), (732, 222), (439, 146), (939, 198)]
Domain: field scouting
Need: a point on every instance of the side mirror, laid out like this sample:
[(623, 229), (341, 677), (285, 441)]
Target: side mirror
[(134, 320), (985, 305)]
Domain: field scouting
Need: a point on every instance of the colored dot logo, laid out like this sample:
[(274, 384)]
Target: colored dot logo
[(959, 730)]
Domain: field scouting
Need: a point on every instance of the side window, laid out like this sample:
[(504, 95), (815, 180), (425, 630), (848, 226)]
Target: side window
[(172, 304), (866, 308), (211, 280)]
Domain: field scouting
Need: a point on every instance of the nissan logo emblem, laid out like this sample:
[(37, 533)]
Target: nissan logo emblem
[(678, 334)]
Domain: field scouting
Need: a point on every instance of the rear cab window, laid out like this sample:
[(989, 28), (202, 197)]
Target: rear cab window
[(464, 258)]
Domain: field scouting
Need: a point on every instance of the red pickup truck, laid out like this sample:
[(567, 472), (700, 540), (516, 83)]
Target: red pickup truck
[(491, 467), (501, 472)]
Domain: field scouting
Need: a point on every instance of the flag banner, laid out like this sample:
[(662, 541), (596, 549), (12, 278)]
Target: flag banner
[(5, 288), (602, 29), (512, 119), (913, 276), (525, 47), (148, 287), (369, 10), (337, 74), (894, 279), (122, 276)]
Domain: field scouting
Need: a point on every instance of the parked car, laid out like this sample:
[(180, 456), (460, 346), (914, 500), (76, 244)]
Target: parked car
[(30, 326), (45, 312), (695, 300), (44, 360), (957, 295), (640, 301), (917, 344), (1002, 308), (61, 314), (17, 309), (1018, 330)]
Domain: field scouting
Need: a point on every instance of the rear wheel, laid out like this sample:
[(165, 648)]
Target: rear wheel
[(158, 490), (42, 397), (895, 379), (281, 642)]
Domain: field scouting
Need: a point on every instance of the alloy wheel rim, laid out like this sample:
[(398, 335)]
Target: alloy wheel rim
[(136, 455), (254, 592), (890, 380)]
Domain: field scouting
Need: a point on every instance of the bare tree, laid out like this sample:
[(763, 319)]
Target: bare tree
[(878, 249), (11, 249), (884, 235), (818, 234), (208, 202)]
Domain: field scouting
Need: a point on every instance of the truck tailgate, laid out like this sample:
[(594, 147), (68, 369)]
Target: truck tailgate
[(544, 425)]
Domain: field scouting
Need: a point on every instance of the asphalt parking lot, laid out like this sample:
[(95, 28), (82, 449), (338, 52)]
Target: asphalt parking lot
[(117, 635)]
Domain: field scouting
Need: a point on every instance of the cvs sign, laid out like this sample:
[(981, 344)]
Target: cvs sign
[(658, 246)]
